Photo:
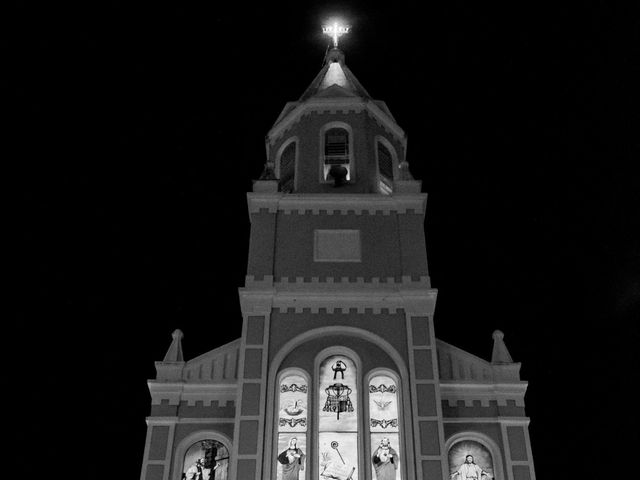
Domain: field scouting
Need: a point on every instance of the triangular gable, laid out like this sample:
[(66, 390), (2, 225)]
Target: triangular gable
[(219, 364), (457, 364)]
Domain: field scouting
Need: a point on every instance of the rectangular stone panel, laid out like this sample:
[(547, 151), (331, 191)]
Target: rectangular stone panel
[(251, 399), (420, 331), (431, 469), (255, 330), (246, 469), (424, 365), (248, 444), (159, 439), (253, 363), (426, 400), (337, 246), (154, 472), (517, 443), (429, 438), (521, 472)]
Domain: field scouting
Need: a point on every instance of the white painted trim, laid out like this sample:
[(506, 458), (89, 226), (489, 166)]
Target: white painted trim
[(500, 420), (290, 283), (188, 441), (356, 203), (485, 441), (333, 301), (485, 392), (187, 420), (191, 393)]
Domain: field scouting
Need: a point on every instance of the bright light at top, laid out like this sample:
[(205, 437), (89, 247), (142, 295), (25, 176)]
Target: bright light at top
[(335, 31)]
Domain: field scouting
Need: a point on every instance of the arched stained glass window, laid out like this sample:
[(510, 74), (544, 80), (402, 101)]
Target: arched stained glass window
[(338, 418), (292, 426), (287, 168), (384, 427), (206, 460)]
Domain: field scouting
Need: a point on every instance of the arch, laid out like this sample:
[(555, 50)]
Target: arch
[(352, 395), (289, 184), (401, 372), (189, 441), (485, 441), (350, 164)]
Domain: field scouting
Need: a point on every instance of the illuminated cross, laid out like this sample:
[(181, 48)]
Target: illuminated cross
[(335, 31)]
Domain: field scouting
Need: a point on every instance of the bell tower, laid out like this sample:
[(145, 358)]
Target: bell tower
[(337, 272), (338, 373)]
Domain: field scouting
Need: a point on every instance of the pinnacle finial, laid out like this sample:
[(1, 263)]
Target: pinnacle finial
[(405, 173), (500, 354), (174, 354)]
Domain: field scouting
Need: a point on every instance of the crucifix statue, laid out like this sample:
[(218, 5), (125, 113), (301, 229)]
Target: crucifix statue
[(335, 31)]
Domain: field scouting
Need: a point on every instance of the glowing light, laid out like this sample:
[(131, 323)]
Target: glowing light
[(335, 31)]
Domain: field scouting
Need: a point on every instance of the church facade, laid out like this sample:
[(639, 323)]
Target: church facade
[(338, 373)]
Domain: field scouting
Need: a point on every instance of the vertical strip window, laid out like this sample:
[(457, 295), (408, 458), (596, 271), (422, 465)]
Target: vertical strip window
[(338, 418), (385, 169), (292, 426), (384, 427)]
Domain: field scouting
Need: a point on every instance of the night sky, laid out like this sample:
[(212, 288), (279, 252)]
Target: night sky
[(140, 127)]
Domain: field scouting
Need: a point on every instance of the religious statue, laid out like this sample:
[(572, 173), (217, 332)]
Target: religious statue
[(292, 460), (469, 470), (385, 461), (195, 471)]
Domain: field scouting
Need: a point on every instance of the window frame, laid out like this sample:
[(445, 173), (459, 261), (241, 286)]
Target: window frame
[(276, 408), (279, 153), (394, 162), (365, 448), (321, 155), (401, 419)]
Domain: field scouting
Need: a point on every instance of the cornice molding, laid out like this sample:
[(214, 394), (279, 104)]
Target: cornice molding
[(176, 392), (452, 392), (333, 283), (336, 300), (335, 105), (343, 204)]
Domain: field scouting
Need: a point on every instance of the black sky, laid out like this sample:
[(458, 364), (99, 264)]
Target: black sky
[(141, 125)]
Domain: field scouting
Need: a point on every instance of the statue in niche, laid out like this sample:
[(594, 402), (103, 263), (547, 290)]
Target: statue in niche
[(292, 460), (385, 461), (469, 470)]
